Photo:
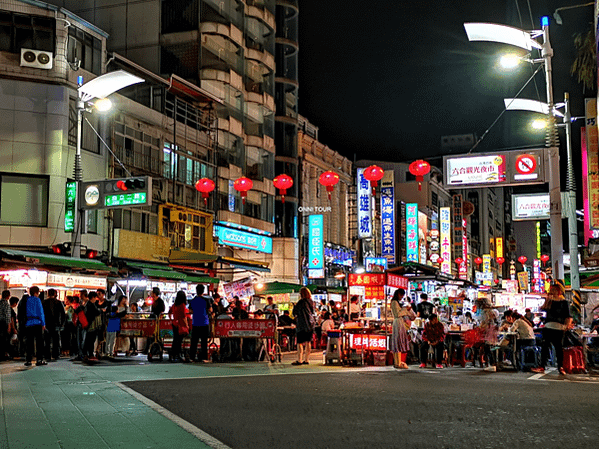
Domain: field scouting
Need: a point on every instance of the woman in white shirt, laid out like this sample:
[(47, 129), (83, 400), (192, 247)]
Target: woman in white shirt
[(519, 324)]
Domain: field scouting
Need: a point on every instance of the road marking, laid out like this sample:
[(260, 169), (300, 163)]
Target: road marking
[(198, 433)]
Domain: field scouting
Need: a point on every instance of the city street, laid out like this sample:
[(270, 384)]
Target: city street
[(135, 404)]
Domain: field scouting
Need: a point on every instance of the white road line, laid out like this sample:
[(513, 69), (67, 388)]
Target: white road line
[(198, 433)]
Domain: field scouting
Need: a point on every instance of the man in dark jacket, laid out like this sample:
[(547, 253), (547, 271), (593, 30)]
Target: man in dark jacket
[(55, 317), (158, 306)]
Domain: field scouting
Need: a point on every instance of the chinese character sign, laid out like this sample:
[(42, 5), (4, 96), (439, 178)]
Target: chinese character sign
[(364, 206), (591, 173), (445, 236), (315, 242), (487, 269), (458, 231), (412, 232), (499, 246), (388, 217), (463, 268)]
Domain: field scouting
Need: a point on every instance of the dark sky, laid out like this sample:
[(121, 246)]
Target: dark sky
[(386, 79)]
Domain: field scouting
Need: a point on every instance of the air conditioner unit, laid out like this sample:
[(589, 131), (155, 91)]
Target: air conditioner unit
[(36, 58)]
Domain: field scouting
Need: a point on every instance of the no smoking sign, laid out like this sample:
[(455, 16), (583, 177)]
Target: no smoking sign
[(526, 164)]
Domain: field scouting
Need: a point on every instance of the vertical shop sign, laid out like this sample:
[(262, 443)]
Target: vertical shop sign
[(445, 223), (463, 268), (70, 206), (538, 281), (499, 247), (487, 273), (364, 206), (591, 174), (231, 196), (402, 244), (315, 243), (388, 216), (422, 234), (458, 230), (538, 238), (412, 232)]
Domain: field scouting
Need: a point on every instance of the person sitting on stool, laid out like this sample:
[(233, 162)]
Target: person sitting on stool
[(432, 335)]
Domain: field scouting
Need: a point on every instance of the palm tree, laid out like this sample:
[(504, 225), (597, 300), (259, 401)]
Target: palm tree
[(585, 64)]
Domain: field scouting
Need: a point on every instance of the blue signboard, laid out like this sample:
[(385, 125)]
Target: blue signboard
[(315, 242), (243, 239)]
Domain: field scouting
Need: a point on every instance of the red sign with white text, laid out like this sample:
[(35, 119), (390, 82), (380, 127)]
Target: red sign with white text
[(394, 280), (245, 328), (368, 342), (367, 279)]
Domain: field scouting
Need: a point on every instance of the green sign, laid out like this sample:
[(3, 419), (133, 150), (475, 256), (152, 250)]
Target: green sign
[(125, 199), (70, 206)]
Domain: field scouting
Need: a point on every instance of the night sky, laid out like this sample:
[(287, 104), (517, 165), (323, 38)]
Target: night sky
[(386, 79)]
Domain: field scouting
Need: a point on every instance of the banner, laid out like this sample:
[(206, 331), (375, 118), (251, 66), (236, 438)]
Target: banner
[(458, 230), (487, 270), (591, 163), (388, 216), (364, 206), (445, 223), (315, 242), (463, 268)]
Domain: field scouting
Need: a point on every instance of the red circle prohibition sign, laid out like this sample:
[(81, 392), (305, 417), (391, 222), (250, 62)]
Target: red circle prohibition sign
[(526, 164)]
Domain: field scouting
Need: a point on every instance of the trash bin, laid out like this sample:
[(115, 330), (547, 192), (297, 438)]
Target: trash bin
[(333, 352)]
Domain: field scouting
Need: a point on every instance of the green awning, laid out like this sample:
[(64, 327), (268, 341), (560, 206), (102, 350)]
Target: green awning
[(202, 279), (157, 271), (190, 257), (275, 288), (54, 260)]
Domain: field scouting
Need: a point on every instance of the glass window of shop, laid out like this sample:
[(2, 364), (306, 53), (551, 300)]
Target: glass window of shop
[(25, 31), (32, 207), (137, 220), (195, 232)]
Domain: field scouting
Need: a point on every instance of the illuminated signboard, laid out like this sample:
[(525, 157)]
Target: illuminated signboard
[(534, 206), (499, 247), (369, 342), (364, 206), (375, 264), (507, 168), (412, 232), (125, 199), (590, 170), (70, 206), (445, 236), (388, 216), (487, 270), (315, 242), (458, 230), (463, 268), (243, 239)]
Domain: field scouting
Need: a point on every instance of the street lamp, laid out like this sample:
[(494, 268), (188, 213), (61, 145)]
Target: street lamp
[(527, 40), (100, 88)]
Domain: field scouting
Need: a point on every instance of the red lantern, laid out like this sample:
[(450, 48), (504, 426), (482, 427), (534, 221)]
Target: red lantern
[(420, 168), (283, 182), (459, 261), (242, 185), (205, 186), (329, 179), (544, 259), (374, 174), (478, 260), (496, 281), (440, 260), (522, 259), (500, 260)]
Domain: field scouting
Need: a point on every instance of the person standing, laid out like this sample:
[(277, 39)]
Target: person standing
[(92, 315), (425, 307), (179, 315), (271, 311), (400, 341), (200, 308), (55, 318), (5, 320), (158, 306), (558, 320), (113, 326), (35, 327), (304, 318)]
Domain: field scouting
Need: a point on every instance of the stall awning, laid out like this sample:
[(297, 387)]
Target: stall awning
[(53, 260), (178, 256), (275, 288), (202, 279), (419, 272), (156, 271), (245, 264)]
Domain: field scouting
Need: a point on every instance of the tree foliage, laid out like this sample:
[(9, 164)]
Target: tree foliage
[(585, 64)]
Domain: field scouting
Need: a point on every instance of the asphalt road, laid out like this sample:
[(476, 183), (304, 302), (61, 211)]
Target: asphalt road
[(451, 408)]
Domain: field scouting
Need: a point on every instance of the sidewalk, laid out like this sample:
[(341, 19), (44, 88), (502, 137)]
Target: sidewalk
[(72, 405)]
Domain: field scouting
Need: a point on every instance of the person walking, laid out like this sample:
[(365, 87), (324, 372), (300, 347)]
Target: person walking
[(303, 311), (557, 322), (34, 328), (55, 318), (200, 308), (5, 321), (400, 341), (180, 327)]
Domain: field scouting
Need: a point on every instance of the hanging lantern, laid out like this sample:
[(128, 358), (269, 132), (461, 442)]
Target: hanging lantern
[(440, 260), (374, 174), (329, 179), (205, 186), (283, 182), (544, 259), (500, 260), (420, 168), (478, 260), (459, 261), (522, 259), (242, 185)]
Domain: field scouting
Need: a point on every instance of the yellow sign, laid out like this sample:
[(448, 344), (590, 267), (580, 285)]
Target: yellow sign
[(523, 280), (499, 246), (140, 246)]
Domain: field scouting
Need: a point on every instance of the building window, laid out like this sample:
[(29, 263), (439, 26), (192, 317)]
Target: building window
[(86, 49), (23, 200), (89, 139), (91, 221), (23, 31), (136, 220)]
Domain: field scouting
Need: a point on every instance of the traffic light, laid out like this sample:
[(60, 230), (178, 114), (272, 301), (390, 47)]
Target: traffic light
[(91, 254), (111, 193)]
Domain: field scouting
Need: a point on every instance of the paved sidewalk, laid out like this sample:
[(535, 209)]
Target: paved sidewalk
[(72, 405)]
